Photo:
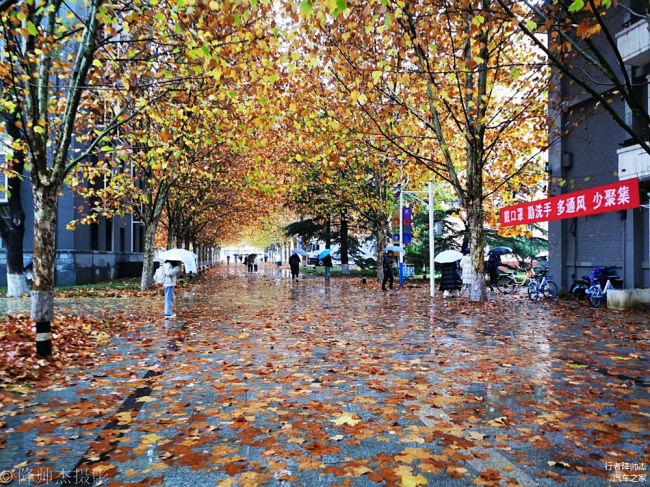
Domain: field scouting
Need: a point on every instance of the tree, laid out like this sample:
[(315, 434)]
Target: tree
[(65, 80), (43, 89), (12, 230), (459, 95)]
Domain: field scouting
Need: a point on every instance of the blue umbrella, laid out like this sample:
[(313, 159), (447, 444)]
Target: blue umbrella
[(500, 251), (394, 248), (324, 253), (299, 252)]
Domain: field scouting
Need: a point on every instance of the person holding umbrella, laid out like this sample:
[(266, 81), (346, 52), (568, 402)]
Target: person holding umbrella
[(171, 270), (294, 263), (327, 263), (493, 263), (388, 271), (450, 280)]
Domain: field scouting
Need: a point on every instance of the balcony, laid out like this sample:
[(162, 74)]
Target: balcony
[(634, 44), (633, 162)]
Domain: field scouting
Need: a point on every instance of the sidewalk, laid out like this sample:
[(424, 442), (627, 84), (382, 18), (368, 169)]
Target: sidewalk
[(265, 381)]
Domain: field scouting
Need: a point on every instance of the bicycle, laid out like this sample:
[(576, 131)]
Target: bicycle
[(542, 285), (508, 282), (598, 292)]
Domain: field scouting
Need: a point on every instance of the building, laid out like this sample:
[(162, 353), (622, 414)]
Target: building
[(109, 249), (597, 151)]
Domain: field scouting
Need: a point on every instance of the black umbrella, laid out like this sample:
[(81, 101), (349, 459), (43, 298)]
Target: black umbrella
[(500, 251)]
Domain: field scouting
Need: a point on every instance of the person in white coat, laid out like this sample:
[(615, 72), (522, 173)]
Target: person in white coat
[(466, 269), (171, 270)]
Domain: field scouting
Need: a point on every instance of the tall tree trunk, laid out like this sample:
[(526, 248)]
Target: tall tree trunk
[(381, 232), (345, 261), (474, 206), (146, 280), (171, 236), (328, 232), (13, 231), (476, 244), (45, 221)]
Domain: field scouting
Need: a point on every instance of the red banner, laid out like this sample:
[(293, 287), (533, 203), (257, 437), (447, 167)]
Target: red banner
[(601, 199)]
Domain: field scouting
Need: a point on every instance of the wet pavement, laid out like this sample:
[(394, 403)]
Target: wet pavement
[(261, 380)]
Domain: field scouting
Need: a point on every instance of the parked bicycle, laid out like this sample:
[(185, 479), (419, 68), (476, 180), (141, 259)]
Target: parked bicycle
[(509, 282), (543, 285), (602, 280)]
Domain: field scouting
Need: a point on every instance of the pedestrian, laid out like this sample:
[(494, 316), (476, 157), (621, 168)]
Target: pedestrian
[(294, 262), (450, 280), (388, 271), (493, 263), (327, 263), (171, 270), (466, 270), (278, 262), (227, 259), (251, 262), (266, 257)]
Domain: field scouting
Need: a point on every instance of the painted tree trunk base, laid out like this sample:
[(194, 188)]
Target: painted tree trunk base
[(42, 305), (477, 288), (42, 314), (17, 286), (345, 269)]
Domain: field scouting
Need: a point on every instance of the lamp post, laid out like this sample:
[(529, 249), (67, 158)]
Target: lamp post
[(428, 204)]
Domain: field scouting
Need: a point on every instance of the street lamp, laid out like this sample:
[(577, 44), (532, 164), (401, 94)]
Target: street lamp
[(429, 204)]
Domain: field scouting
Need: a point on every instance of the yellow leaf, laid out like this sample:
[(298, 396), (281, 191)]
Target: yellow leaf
[(151, 439), (145, 399), (345, 418), (413, 481)]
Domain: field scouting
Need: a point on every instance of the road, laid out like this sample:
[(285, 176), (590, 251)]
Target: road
[(261, 380)]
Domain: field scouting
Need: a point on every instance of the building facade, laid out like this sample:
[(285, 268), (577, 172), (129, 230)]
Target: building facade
[(109, 249), (591, 149)]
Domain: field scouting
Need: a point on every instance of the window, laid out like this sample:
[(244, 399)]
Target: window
[(94, 236), (137, 236), (109, 234)]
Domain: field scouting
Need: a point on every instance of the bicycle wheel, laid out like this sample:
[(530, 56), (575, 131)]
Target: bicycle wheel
[(533, 291), (505, 284), (595, 300), (550, 289)]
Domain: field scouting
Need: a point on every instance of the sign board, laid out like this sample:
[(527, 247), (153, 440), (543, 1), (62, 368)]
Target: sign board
[(406, 225), (622, 195)]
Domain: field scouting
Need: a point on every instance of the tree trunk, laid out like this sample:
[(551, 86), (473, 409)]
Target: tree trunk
[(381, 230), (45, 220), (146, 281), (328, 232), (13, 231), (171, 237), (345, 261)]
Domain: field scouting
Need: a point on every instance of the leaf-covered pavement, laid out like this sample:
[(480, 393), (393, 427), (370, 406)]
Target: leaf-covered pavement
[(264, 381)]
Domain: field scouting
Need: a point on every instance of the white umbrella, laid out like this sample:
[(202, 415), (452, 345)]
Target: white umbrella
[(181, 255), (448, 256), (542, 254), (299, 252)]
